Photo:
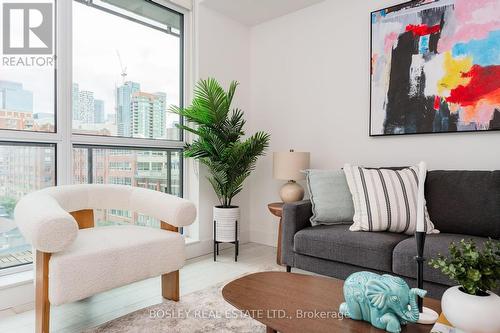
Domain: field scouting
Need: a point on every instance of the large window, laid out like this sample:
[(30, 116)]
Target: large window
[(159, 170), (112, 124), (23, 169), (126, 70), (27, 82)]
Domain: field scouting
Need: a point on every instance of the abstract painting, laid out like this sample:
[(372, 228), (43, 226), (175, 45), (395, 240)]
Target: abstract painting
[(435, 67)]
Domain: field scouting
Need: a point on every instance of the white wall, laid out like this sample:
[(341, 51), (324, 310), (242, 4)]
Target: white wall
[(222, 51), (310, 90)]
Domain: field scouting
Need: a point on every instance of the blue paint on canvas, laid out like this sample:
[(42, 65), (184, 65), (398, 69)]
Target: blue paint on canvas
[(423, 45), (484, 52)]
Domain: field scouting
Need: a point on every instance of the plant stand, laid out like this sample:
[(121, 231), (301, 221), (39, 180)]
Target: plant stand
[(235, 242)]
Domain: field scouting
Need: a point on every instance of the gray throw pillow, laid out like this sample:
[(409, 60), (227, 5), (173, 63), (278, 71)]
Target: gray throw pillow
[(330, 197)]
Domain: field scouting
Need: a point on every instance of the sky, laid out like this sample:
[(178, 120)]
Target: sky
[(151, 57)]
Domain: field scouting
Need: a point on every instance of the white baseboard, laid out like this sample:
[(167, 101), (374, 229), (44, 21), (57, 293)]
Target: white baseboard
[(262, 237), (17, 295), (203, 247)]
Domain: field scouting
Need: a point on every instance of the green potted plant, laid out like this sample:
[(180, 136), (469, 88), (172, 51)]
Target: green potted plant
[(220, 145), (471, 306)]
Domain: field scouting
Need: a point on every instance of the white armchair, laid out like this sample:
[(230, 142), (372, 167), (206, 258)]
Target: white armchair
[(75, 260)]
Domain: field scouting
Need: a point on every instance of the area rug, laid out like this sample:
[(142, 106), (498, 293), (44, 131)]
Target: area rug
[(201, 311)]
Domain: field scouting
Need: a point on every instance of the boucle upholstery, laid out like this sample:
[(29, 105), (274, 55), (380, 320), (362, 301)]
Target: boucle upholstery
[(43, 218), (103, 258)]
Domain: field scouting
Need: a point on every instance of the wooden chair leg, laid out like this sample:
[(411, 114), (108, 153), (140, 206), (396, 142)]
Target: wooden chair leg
[(42, 304), (170, 281), (170, 286)]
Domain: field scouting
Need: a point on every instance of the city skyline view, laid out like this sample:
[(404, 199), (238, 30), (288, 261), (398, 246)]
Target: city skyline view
[(126, 73), (109, 44), (138, 114), (118, 57)]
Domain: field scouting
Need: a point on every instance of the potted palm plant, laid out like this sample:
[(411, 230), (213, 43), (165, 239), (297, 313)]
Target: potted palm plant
[(471, 306), (220, 145)]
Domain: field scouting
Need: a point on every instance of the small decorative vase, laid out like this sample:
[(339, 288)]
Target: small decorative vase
[(470, 313), (226, 221)]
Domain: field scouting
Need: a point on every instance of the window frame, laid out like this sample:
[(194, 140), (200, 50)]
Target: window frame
[(170, 149), (63, 137), (16, 135), (182, 87)]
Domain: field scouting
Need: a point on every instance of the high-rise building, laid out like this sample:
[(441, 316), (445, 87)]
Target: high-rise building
[(111, 118), (14, 98), (23, 169), (148, 115), (86, 106), (98, 111), (159, 115), (123, 107), (155, 169), (75, 105)]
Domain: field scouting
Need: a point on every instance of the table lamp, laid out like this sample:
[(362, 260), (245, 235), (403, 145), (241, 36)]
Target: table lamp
[(427, 316), (289, 166)]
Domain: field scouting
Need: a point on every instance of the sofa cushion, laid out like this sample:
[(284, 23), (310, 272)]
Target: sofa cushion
[(103, 258), (464, 202), (330, 197), (403, 261), (385, 200), (336, 242)]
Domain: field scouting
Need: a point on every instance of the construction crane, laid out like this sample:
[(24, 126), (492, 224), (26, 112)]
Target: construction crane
[(123, 69)]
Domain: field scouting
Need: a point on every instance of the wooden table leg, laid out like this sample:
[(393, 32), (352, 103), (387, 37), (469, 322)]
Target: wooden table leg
[(278, 255), (270, 330)]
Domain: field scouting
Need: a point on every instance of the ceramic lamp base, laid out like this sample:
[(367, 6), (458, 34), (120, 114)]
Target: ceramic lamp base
[(427, 316), (291, 192)]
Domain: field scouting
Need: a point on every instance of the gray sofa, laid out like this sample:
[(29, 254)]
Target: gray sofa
[(461, 204)]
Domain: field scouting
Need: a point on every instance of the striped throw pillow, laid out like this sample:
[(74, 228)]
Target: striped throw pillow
[(385, 199)]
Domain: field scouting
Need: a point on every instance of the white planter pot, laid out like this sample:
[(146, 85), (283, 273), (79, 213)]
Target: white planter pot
[(478, 314), (225, 224)]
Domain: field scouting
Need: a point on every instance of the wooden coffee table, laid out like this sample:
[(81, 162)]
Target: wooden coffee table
[(290, 302)]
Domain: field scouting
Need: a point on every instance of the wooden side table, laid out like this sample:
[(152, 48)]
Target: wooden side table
[(276, 208)]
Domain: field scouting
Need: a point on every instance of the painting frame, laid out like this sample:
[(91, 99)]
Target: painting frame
[(371, 132)]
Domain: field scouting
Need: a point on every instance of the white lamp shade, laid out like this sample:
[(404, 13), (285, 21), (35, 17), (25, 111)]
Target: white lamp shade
[(288, 165)]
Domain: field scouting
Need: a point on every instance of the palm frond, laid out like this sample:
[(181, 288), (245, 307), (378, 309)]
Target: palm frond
[(219, 144)]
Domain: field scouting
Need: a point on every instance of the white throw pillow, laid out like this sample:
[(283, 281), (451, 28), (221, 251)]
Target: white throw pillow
[(385, 199)]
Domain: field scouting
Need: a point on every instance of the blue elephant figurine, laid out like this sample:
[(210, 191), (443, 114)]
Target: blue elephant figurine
[(385, 301)]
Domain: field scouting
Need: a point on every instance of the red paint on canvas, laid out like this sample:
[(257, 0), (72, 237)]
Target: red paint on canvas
[(423, 29), (484, 81), (437, 102)]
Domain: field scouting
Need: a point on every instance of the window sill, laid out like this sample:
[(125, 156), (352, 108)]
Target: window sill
[(16, 279)]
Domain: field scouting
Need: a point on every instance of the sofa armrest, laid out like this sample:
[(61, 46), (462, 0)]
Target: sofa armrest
[(296, 216)]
